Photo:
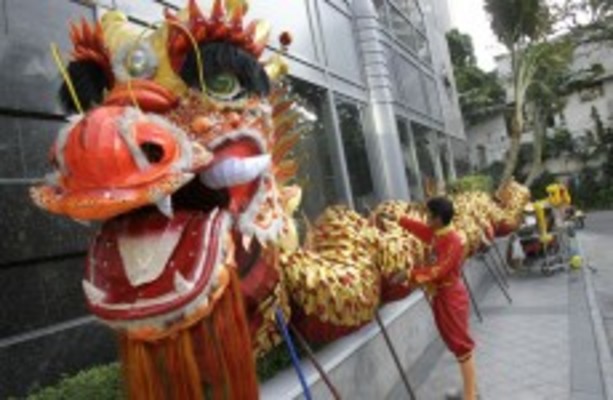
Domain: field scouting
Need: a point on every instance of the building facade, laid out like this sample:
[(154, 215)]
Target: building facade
[(489, 140), (374, 77)]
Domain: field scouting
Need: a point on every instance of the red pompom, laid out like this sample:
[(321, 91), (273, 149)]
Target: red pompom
[(286, 39)]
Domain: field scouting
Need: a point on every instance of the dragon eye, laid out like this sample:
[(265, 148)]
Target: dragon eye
[(135, 61), (224, 86)]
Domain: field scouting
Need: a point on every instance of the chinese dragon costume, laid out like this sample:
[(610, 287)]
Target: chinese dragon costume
[(181, 148)]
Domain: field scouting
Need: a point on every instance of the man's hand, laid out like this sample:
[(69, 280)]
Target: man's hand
[(399, 277), (387, 217)]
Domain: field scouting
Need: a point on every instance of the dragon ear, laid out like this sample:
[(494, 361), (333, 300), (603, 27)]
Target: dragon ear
[(90, 70), (90, 82)]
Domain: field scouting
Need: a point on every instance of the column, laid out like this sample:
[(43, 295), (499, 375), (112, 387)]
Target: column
[(381, 132)]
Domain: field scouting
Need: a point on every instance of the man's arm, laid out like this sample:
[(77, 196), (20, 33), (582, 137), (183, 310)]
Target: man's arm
[(422, 231)]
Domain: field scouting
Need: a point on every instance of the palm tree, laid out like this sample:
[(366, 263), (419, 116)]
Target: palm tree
[(518, 24)]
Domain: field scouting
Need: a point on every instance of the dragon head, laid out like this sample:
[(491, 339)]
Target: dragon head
[(179, 150)]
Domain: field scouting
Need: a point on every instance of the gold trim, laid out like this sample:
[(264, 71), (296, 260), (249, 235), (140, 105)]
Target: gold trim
[(443, 231)]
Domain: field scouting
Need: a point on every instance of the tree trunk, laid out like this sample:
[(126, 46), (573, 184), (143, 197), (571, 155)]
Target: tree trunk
[(537, 147), (513, 154)]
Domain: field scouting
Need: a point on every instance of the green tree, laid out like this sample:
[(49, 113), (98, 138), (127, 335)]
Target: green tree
[(595, 23), (479, 92), (545, 96), (461, 49), (519, 25)]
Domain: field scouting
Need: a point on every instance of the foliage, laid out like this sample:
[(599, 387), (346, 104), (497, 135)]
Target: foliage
[(479, 91), (461, 49), (523, 160), (559, 144), (273, 362), (494, 172), (583, 78), (472, 183), (596, 24), (539, 186), (104, 382), (100, 383), (518, 21), (539, 68), (589, 192)]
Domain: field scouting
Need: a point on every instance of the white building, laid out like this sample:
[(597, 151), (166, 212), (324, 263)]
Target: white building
[(489, 139)]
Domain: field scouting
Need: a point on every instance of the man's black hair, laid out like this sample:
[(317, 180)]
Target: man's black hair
[(442, 208)]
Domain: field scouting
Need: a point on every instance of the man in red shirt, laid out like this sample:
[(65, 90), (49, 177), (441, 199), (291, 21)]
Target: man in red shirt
[(441, 278)]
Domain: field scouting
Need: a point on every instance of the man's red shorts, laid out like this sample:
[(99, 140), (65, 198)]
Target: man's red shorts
[(451, 309)]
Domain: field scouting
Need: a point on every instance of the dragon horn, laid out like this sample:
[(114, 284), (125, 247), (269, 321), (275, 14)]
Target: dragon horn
[(218, 12), (194, 11), (237, 13), (262, 34), (237, 8)]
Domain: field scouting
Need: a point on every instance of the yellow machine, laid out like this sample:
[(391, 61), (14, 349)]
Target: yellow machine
[(550, 235)]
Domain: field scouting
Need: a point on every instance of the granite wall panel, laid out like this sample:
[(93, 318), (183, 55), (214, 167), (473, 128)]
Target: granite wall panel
[(11, 161), (30, 233), (36, 138), (43, 360), (29, 79), (39, 295)]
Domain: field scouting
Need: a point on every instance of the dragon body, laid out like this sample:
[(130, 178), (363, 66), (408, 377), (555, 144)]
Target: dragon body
[(182, 149)]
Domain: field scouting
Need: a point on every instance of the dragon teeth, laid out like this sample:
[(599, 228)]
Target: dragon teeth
[(235, 171), (165, 206), (182, 285), (94, 295)]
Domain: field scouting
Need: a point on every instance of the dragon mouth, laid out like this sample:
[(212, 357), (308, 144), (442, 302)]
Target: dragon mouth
[(161, 263)]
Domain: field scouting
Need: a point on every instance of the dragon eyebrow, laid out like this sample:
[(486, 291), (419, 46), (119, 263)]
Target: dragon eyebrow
[(219, 57)]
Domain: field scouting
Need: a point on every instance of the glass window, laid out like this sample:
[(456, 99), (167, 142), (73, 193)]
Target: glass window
[(356, 155), (425, 152), (391, 57), (402, 29), (410, 162), (409, 86), (381, 6), (319, 163), (431, 91), (423, 51), (410, 8)]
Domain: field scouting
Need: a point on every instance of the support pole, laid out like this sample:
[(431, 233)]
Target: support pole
[(472, 298), (311, 356), (501, 258), (390, 346), (497, 280), (497, 267), (292, 352)]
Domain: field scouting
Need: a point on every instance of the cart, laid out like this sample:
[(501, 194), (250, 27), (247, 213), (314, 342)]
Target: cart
[(543, 240)]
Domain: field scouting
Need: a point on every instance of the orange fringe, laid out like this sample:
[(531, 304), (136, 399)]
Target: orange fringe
[(212, 359)]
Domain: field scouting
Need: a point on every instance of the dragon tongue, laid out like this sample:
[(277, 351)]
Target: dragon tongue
[(146, 243), (145, 264)]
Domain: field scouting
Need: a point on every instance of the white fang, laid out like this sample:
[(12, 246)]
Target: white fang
[(235, 171)]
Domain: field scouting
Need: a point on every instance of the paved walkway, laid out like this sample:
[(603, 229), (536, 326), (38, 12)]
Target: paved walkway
[(541, 347), (598, 246)]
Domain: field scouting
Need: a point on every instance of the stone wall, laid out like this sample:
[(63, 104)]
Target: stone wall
[(42, 313), (361, 366)]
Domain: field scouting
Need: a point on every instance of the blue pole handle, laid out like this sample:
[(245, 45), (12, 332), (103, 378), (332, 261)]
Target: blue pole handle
[(292, 352)]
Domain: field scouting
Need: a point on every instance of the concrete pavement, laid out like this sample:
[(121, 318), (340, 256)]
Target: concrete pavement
[(598, 246), (546, 344)]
